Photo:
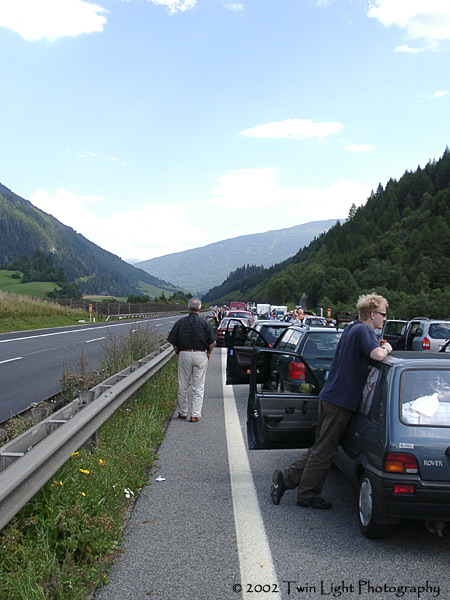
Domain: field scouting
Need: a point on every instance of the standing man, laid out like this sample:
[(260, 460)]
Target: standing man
[(193, 339), (338, 399)]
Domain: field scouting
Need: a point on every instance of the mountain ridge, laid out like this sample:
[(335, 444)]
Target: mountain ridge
[(200, 269), (25, 228)]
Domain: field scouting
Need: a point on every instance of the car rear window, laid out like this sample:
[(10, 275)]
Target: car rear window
[(439, 331), (321, 345), (425, 397), (288, 341)]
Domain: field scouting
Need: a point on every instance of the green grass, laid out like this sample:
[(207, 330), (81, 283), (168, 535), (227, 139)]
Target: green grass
[(37, 289), (20, 312), (62, 543)]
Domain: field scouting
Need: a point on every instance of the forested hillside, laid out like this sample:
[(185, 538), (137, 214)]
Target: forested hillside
[(397, 244), (24, 229)]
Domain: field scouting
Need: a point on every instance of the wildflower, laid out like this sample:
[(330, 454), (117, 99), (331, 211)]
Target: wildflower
[(82, 493), (74, 454), (101, 462), (85, 471), (56, 483), (128, 493)]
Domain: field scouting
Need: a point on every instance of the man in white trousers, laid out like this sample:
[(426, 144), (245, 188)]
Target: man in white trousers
[(193, 339)]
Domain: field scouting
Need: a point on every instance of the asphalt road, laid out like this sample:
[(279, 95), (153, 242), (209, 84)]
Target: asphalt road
[(205, 527), (32, 362)]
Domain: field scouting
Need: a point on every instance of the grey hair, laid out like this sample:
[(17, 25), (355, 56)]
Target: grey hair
[(194, 304)]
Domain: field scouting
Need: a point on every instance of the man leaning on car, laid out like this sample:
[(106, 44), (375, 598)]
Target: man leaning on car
[(338, 399)]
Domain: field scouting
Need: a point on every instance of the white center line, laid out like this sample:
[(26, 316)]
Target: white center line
[(10, 360), (255, 558)]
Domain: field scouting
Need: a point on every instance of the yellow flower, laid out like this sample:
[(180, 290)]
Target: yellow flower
[(82, 493), (74, 454), (101, 462), (84, 471)]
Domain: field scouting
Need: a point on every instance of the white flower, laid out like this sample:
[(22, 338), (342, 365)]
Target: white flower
[(128, 493)]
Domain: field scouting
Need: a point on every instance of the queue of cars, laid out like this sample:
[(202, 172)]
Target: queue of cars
[(396, 449)]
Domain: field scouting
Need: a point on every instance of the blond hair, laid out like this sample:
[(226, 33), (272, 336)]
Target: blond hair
[(369, 303)]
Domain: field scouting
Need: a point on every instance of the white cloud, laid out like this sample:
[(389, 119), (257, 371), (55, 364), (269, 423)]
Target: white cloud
[(408, 50), (323, 3), (234, 6), (260, 189), (51, 19), (429, 20), (298, 129), (138, 233), (438, 94), (174, 6), (359, 148)]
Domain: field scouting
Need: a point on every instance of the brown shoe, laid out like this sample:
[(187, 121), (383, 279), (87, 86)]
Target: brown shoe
[(182, 416), (194, 419)]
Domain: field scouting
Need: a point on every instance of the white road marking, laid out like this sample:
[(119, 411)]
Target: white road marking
[(10, 360), (255, 558), (95, 340), (108, 326)]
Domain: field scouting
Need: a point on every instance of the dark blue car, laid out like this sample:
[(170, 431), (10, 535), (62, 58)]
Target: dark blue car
[(396, 448)]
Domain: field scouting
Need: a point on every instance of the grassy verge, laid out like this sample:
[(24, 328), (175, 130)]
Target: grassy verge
[(19, 313), (61, 544)]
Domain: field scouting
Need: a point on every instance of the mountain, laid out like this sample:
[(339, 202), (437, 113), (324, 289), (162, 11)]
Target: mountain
[(25, 229), (397, 244), (200, 269)]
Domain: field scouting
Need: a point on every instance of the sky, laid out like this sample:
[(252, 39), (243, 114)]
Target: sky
[(156, 126)]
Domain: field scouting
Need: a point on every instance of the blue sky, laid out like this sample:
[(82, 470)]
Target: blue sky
[(155, 126)]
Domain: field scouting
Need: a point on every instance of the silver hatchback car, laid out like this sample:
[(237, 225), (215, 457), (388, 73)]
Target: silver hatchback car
[(419, 334)]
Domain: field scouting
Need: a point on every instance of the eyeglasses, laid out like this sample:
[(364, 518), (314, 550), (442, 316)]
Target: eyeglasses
[(380, 313)]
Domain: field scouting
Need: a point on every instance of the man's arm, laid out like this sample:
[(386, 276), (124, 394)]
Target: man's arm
[(381, 352)]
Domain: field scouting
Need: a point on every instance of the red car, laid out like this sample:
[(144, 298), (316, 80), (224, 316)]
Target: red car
[(226, 327), (241, 314)]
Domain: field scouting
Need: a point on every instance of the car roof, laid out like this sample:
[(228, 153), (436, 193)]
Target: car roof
[(398, 357), (317, 329), (272, 323), (430, 320)]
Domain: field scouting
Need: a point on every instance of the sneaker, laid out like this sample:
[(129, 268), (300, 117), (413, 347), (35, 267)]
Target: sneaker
[(316, 502), (277, 488)]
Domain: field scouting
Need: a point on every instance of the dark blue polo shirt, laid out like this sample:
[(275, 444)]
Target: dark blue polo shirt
[(348, 371)]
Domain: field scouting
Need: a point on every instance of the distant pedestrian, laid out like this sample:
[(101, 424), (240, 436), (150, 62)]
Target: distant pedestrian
[(338, 400), (193, 339)]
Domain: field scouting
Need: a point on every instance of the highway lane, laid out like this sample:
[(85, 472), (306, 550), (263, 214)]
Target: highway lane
[(32, 362), (205, 527)]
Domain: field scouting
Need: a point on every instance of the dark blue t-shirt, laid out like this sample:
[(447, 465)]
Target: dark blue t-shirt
[(348, 371)]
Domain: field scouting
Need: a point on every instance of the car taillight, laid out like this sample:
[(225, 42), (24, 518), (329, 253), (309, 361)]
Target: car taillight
[(400, 463), (404, 489), (297, 371), (426, 344)]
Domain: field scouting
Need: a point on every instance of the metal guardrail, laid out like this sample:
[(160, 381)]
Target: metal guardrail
[(138, 315), (31, 459)]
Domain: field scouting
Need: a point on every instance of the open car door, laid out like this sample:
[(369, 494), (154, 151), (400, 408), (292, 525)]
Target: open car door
[(276, 418), (240, 349)]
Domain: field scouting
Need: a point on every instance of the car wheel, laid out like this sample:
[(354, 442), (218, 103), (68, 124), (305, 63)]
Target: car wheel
[(367, 522)]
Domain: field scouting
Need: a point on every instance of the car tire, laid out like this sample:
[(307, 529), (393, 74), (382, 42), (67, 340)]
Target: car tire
[(366, 511)]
